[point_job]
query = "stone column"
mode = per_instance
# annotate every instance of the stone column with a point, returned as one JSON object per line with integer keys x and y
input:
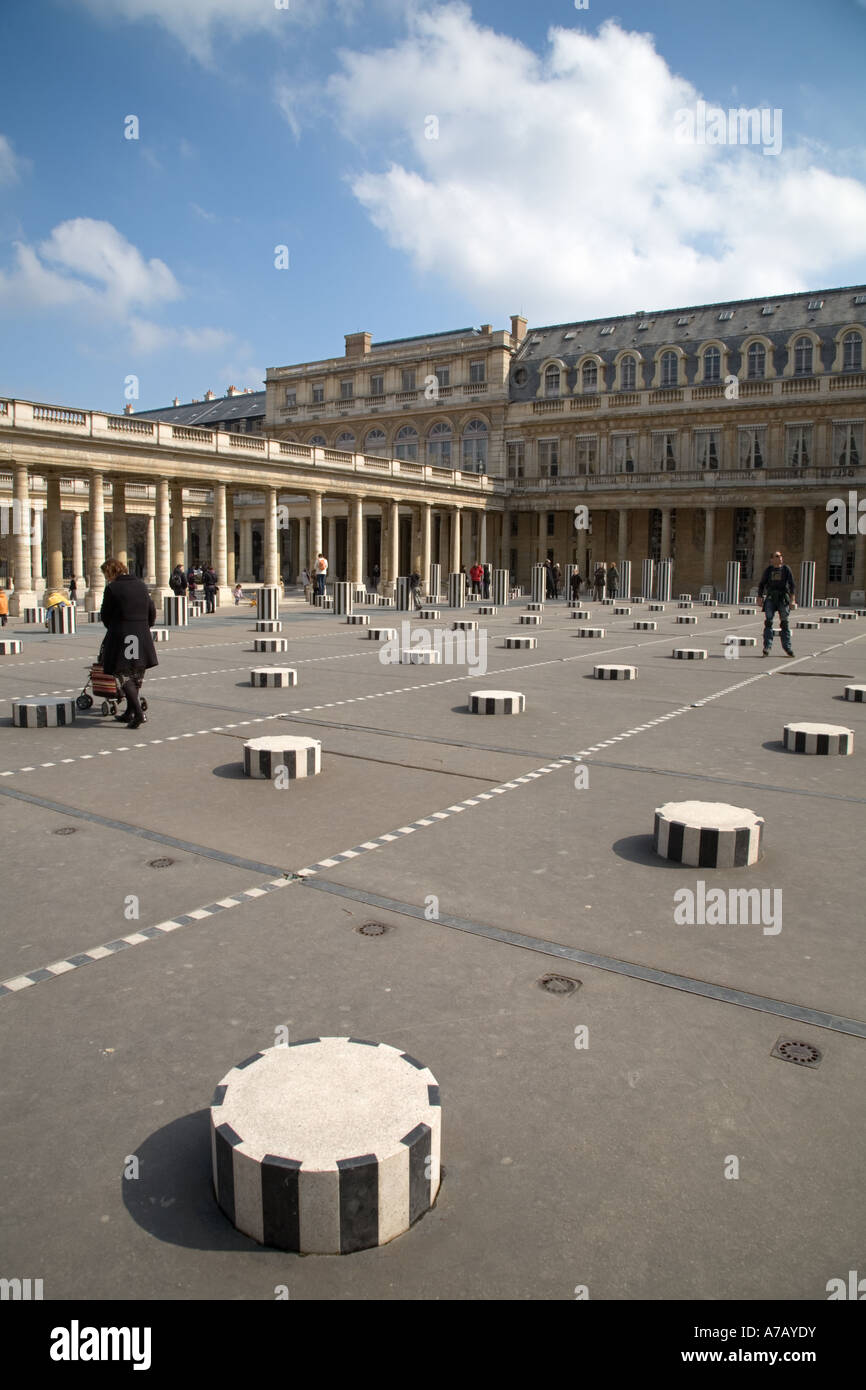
{"x": 220, "y": 543}
{"x": 25, "y": 595}
{"x": 119, "y": 537}
{"x": 303, "y": 558}
{"x": 505, "y": 540}
{"x": 150, "y": 550}
{"x": 394, "y": 541}
{"x": 809, "y": 533}
{"x": 78, "y": 554}
{"x": 760, "y": 544}
{"x": 666, "y": 534}
{"x": 36, "y": 549}
{"x": 482, "y": 538}
{"x": 272, "y": 573}
{"x": 163, "y": 540}
{"x": 709, "y": 543}
{"x": 426, "y": 546}
{"x": 355, "y": 561}
{"x": 332, "y": 545}
{"x": 622, "y": 537}
{"x": 859, "y": 561}
{"x": 95, "y": 543}
{"x": 246, "y": 555}
{"x": 178, "y": 533}
{"x": 455, "y": 541}
{"x": 53, "y": 531}
{"x": 231, "y": 577}
{"x": 385, "y": 576}
{"x": 315, "y": 525}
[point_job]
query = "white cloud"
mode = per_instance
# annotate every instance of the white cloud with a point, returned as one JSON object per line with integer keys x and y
{"x": 147, "y": 336}
{"x": 197, "y": 24}
{"x": 89, "y": 264}
{"x": 11, "y": 165}
{"x": 557, "y": 182}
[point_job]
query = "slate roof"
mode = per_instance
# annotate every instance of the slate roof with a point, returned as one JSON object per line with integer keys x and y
{"x": 209, "y": 413}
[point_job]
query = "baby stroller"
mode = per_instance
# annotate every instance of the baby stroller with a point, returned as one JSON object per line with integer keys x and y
{"x": 104, "y": 687}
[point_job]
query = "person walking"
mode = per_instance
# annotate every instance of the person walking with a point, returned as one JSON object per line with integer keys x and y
{"x": 210, "y": 588}
{"x": 73, "y": 591}
{"x": 321, "y": 574}
{"x": 191, "y": 582}
{"x": 557, "y": 579}
{"x": 375, "y": 575}
{"x": 4, "y": 608}
{"x": 776, "y": 595}
{"x": 238, "y": 594}
{"x": 598, "y": 582}
{"x": 612, "y": 581}
{"x": 177, "y": 581}
{"x": 476, "y": 574}
{"x": 128, "y": 612}
{"x": 485, "y": 581}
{"x": 575, "y": 585}
{"x": 415, "y": 589}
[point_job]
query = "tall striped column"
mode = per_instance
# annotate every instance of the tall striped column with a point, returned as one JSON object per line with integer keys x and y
{"x": 175, "y": 610}
{"x": 499, "y": 588}
{"x": 268, "y": 602}
{"x": 807, "y": 584}
{"x": 732, "y": 582}
{"x": 665, "y": 581}
{"x": 539, "y": 583}
{"x": 435, "y": 581}
{"x": 647, "y": 577}
{"x": 567, "y": 572}
{"x": 343, "y": 600}
{"x": 457, "y": 590}
{"x": 402, "y": 593}
{"x": 625, "y": 579}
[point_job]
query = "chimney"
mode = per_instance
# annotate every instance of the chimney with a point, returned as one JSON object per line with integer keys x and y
{"x": 209, "y": 395}
{"x": 518, "y": 328}
{"x": 127, "y": 409}
{"x": 232, "y": 391}
{"x": 358, "y": 344}
{"x": 176, "y": 400}
{"x": 195, "y": 401}
{"x": 486, "y": 328}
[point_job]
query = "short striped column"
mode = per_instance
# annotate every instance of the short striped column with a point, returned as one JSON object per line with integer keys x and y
{"x": 276, "y": 676}
{"x": 94, "y": 616}
{"x": 733, "y": 639}
{"x": 61, "y": 619}
{"x": 34, "y": 615}
{"x": 457, "y": 590}
{"x": 810, "y": 624}
{"x": 685, "y": 603}
{"x": 429, "y": 614}
{"x": 581, "y": 614}
{"x": 521, "y": 644}
{"x": 197, "y": 607}
{"x": 535, "y": 607}
{"x": 686, "y": 618}
{"x": 326, "y": 1146}
{"x": 732, "y": 582}
{"x": 175, "y": 610}
{"x": 539, "y": 583}
{"x": 820, "y": 603}
{"x": 615, "y": 673}
{"x": 684, "y": 598}
{"x": 530, "y": 619}
{"x": 464, "y": 625}
{"x": 843, "y": 615}
{"x": 746, "y": 612}
{"x": 487, "y": 610}
{"x": 160, "y": 634}
{"x": 806, "y": 595}
{"x": 268, "y": 625}
{"x": 832, "y": 603}
{"x": 708, "y": 834}
{"x": 381, "y": 634}
{"x": 9, "y": 646}
{"x": 297, "y": 756}
{"x": 403, "y": 593}
{"x": 43, "y": 711}
{"x": 268, "y": 602}
{"x": 856, "y": 693}
{"x": 496, "y": 702}
{"x": 435, "y": 584}
{"x": 830, "y": 618}
{"x": 647, "y": 577}
{"x": 656, "y": 607}
{"x": 270, "y": 644}
{"x": 625, "y": 580}
{"x": 420, "y": 656}
{"x": 357, "y": 619}
{"x": 620, "y": 612}
{"x": 590, "y": 632}
{"x": 819, "y": 738}
{"x": 721, "y": 613}
{"x": 343, "y": 599}
{"x": 645, "y": 627}
{"x": 710, "y": 603}
{"x": 689, "y": 654}
{"x": 499, "y": 588}
{"x": 664, "y": 580}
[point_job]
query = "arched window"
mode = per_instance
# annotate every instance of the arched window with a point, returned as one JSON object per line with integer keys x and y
{"x": 712, "y": 364}
{"x": 375, "y": 444}
{"x": 628, "y": 373}
{"x": 852, "y": 352}
{"x": 803, "y": 349}
{"x": 475, "y": 447}
{"x": 551, "y": 380}
{"x": 319, "y": 440}
{"x": 589, "y": 376}
{"x": 406, "y": 443}
{"x": 439, "y": 445}
{"x": 346, "y": 441}
{"x": 670, "y": 369}
{"x": 757, "y": 362}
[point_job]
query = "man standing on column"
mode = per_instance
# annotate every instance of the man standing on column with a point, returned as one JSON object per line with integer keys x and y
{"x": 776, "y": 593}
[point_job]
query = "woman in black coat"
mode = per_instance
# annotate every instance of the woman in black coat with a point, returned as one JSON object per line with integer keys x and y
{"x": 128, "y": 612}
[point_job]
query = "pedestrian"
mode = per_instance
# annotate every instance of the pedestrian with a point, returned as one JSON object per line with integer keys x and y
{"x": 476, "y": 574}
{"x": 191, "y": 582}
{"x": 128, "y": 613}
{"x": 375, "y": 575}
{"x": 4, "y": 608}
{"x": 73, "y": 590}
{"x": 415, "y": 589}
{"x": 177, "y": 581}
{"x": 238, "y": 594}
{"x": 776, "y": 595}
{"x": 612, "y": 581}
{"x": 598, "y": 582}
{"x": 575, "y": 585}
{"x": 557, "y": 580}
{"x": 321, "y": 574}
{"x": 485, "y": 582}
{"x": 210, "y": 588}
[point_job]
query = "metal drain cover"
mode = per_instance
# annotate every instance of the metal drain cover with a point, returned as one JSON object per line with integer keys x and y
{"x": 373, "y": 929}
{"x": 803, "y": 1054}
{"x": 160, "y": 863}
{"x": 559, "y": 984}
{"x": 65, "y": 830}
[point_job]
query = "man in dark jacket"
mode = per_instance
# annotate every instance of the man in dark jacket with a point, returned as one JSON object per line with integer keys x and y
{"x": 776, "y": 593}
{"x": 210, "y": 588}
{"x": 128, "y": 612}
{"x": 177, "y": 580}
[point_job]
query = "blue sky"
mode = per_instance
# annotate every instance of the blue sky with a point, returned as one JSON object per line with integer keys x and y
{"x": 427, "y": 167}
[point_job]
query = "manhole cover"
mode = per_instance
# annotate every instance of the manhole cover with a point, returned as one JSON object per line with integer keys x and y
{"x": 160, "y": 863}
{"x": 65, "y": 830}
{"x": 803, "y": 1054}
{"x": 373, "y": 929}
{"x": 559, "y": 984}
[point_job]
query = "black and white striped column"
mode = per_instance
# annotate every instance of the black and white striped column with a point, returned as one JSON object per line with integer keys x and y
{"x": 625, "y": 580}
{"x": 499, "y": 588}
{"x": 175, "y": 610}
{"x": 581, "y": 614}
{"x": 811, "y": 625}
{"x": 9, "y": 647}
{"x": 268, "y": 602}
{"x": 645, "y": 627}
{"x": 381, "y": 634}
{"x": 806, "y": 598}
{"x": 298, "y": 757}
{"x": 664, "y": 581}
{"x": 273, "y": 676}
{"x": 620, "y": 611}
{"x": 856, "y": 693}
{"x": 819, "y": 738}
{"x": 61, "y": 619}
{"x": 43, "y": 711}
{"x": 647, "y": 578}
{"x": 539, "y": 583}
{"x": 530, "y": 619}
{"x": 708, "y": 834}
{"x": 358, "y": 619}
{"x": 268, "y": 625}
{"x": 496, "y": 702}
{"x": 457, "y": 590}
{"x": 567, "y": 572}
{"x": 521, "y": 644}
{"x": 270, "y": 644}
{"x": 465, "y": 625}
{"x": 435, "y": 588}
{"x": 402, "y": 593}
{"x": 327, "y": 1146}
{"x": 615, "y": 673}
{"x": 732, "y": 581}
{"x": 343, "y": 599}
{"x": 429, "y": 614}
{"x": 689, "y": 654}
{"x": 590, "y": 632}
{"x": 686, "y": 617}
{"x": 93, "y": 616}
{"x": 34, "y": 615}
{"x": 160, "y": 634}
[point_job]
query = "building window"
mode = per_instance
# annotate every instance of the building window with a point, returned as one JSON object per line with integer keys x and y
{"x": 757, "y": 362}
{"x": 707, "y": 446}
{"x": 406, "y": 443}
{"x": 712, "y": 364}
{"x": 585, "y": 454}
{"x": 744, "y": 540}
{"x": 551, "y": 381}
{"x": 848, "y": 443}
{"x": 548, "y": 458}
{"x": 752, "y": 446}
{"x": 623, "y": 453}
{"x": 375, "y": 444}
{"x": 514, "y": 526}
{"x": 475, "y": 447}
{"x": 589, "y": 376}
{"x": 346, "y": 441}
{"x": 476, "y": 372}
{"x": 840, "y": 560}
{"x": 515, "y": 458}
{"x": 551, "y": 523}
{"x": 443, "y": 376}
{"x": 318, "y": 395}
{"x": 798, "y": 446}
{"x": 291, "y": 399}
{"x": 664, "y": 451}
{"x": 407, "y": 379}
{"x": 319, "y": 441}
{"x": 803, "y": 351}
{"x": 439, "y": 445}
{"x": 377, "y": 386}
{"x": 347, "y": 390}
{"x": 628, "y": 373}
{"x": 670, "y": 369}
{"x": 852, "y": 352}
